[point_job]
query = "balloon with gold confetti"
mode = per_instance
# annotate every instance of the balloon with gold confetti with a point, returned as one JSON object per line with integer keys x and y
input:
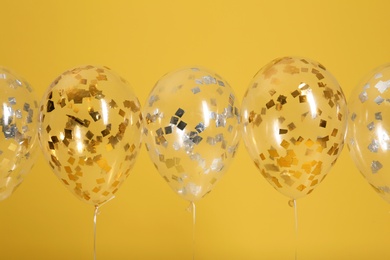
{"x": 18, "y": 141}
{"x": 192, "y": 130}
{"x": 294, "y": 124}
{"x": 90, "y": 125}
{"x": 368, "y": 137}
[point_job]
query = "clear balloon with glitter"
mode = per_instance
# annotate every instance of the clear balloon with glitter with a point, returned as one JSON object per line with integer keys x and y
{"x": 368, "y": 137}
{"x": 89, "y": 129}
{"x": 18, "y": 138}
{"x": 90, "y": 126}
{"x": 192, "y": 130}
{"x": 294, "y": 124}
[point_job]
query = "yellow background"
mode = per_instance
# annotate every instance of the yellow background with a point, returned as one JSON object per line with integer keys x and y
{"x": 243, "y": 217}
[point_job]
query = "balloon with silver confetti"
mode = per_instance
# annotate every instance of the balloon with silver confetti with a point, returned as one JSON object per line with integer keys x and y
{"x": 18, "y": 141}
{"x": 368, "y": 137}
{"x": 192, "y": 130}
{"x": 294, "y": 124}
{"x": 89, "y": 129}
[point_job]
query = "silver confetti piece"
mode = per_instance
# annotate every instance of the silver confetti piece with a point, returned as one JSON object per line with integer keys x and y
{"x": 371, "y": 126}
{"x": 379, "y": 100}
{"x": 195, "y": 90}
{"x": 376, "y": 166}
{"x": 382, "y": 86}
{"x": 373, "y": 146}
{"x": 363, "y": 97}
{"x": 353, "y": 116}
{"x": 378, "y": 115}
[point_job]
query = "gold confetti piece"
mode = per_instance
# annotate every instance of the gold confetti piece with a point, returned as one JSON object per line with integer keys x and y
{"x": 297, "y": 174}
{"x": 77, "y": 95}
{"x": 291, "y": 69}
{"x": 283, "y": 131}
{"x": 273, "y": 153}
{"x": 306, "y": 167}
{"x": 295, "y": 93}
{"x": 122, "y": 113}
{"x": 115, "y": 184}
{"x": 285, "y": 144}
{"x": 276, "y": 182}
{"x": 270, "y": 104}
{"x": 101, "y": 77}
{"x": 309, "y": 152}
{"x": 271, "y": 167}
{"x": 179, "y": 168}
{"x": 331, "y": 150}
{"x": 291, "y": 126}
{"x": 272, "y": 92}
{"x": 284, "y": 161}
{"x": 269, "y": 73}
{"x": 100, "y": 181}
{"x": 170, "y": 163}
{"x": 72, "y": 177}
{"x": 319, "y": 76}
{"x": 309, "y": 143}
{"x": 301, "y": 187}
{"x": 317, "y": 170}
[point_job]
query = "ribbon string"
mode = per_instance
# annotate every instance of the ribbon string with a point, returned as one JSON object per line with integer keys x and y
{"x": 94, "y": 230}
{"x": 192, "y": 209}
{"x": 296, "y": 228}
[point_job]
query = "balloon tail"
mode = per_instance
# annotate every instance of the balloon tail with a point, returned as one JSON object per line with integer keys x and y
{"x": 192, "y": 209}
{"x": 94, "y": 230}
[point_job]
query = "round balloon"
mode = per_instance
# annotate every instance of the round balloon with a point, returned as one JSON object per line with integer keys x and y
{"x": 19, "y": 111}
{"x": 192, "y": 130}
{"x": 369, "y": 129}
{"x": 294, "y": 123}
{"x": 90, "y": 125}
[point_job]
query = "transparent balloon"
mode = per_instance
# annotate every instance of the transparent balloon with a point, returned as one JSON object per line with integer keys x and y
{"x": 294, "y": 124}
{"x": 192, "y": 130}
{"x": 18, "y": 140}
{"x": 90, "y": 125}
{"x": 369, "y": 129}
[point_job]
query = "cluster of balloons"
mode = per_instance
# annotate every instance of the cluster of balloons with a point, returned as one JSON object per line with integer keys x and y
{"x": 293, "y": 120}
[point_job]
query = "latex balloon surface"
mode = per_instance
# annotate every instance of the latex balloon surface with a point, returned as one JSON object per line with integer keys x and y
{"x": 294, "y": 124}
{"x": 192, "y": 130}
{"x": 369, "y": 129}
{"x": 90, "y": 128}
{"x": 19, "y": 111}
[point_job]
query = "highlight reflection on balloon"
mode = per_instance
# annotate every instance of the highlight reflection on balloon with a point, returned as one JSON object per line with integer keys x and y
{"x": 192, "y": 130}
{"x": 90, "y": 128}
{"x": 19, "y": 110}
{"x": 294, "y": 124}
{"x": 369, "y": 126}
